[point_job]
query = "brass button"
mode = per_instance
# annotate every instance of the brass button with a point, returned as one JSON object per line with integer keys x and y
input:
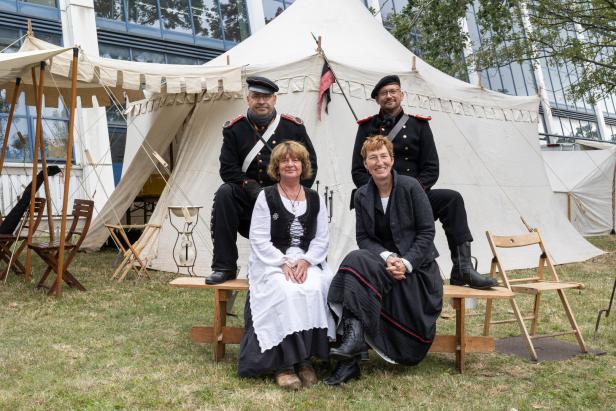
{"x": 404, "y": 126}
{"x": 408, "y": 169}
{"x": 406, "y": 147}
{"x": 274, "y": 142}
{"x": 260, "y": 161}
{"x": 404, "y": 136}
{"x": 260, "y": 181}
{"x": 406, "y": 158}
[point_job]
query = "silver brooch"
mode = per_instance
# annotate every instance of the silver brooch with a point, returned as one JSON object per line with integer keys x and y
{"x": 275, "y": 216}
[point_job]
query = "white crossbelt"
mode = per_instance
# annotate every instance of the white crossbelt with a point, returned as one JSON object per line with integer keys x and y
{"x": 260, "y": 143}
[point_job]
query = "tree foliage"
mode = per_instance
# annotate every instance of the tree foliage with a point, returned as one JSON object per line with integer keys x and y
{"x": 579, "y": 33}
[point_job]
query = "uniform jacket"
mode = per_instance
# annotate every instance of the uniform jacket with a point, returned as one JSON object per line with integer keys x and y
{"x": 415, "y": 153}
{"x": 239, "y": 136}
{"x": 411, "y": 220}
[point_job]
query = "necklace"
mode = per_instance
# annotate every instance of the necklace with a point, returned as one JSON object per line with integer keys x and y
{"x": 294, "y": 203}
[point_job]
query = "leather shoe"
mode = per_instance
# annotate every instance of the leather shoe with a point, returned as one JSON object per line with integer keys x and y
{"x": 288, "y": 380}
{"x": 306, "y": 374}
{"x": 344, "y": 371}
{"x": 219, "y": 277}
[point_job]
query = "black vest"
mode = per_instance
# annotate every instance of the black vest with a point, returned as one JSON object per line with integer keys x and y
{"x": 281, "y": 219}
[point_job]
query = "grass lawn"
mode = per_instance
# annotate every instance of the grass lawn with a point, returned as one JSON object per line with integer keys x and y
{"x": 126, "y": 346}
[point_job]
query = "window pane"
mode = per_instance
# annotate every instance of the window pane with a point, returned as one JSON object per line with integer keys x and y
{"x": 387, "y": 10}
{"x": 175, "y": 59}
{"x": 143, "y": 12}
{"x": 8, "y": 36}
{"x": 113, "y": 52}
{"x": 55, "y": 135}
{"x": 235, "y": 19}
{"x": 272, "y": 8}
{"x": 51, "y": 38}
{"x": 176, "y": 16}
{"x": 507, "y": 78}
{"x": 48, "y": 3}
{"x": 5, "y": 105}
{"x": 19, "y": 147}
{"x": 51, "y": 112}
{"x": 109, "y": 9}
{"x": 148, "y": 56}
{"x": 206, "y": 18}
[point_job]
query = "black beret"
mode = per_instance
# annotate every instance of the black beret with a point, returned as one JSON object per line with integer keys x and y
{"x": 261, "y": 85}
{"x": 385, "y": 81}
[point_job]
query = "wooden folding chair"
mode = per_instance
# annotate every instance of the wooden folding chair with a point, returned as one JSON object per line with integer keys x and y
{"x": 534, "y": 285}
{"x": 131, "y": 253}
{"x": 20, "y": 236}
{"x": 50, "y": 251}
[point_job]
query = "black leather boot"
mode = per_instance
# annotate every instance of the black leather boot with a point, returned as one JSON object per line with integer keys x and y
{"x": 344, "y": 371}
{"x": 352, "y": 339}
{"x": 219, "y": 277}
{"x": 463, "y": 273}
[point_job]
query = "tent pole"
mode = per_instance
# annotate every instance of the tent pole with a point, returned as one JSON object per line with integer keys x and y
{"x": 569, "y": 206}
{"x": 39, "y": 136}
{"x": 5, "y": 142}
{"x": 614, "y": 202}
{"x": 67, "y": 174}
{"x": 39, "y": 120}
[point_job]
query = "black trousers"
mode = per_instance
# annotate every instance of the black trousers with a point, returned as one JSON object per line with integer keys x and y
{"x": 231, "y": 213}
{"x": 448, "y": 207}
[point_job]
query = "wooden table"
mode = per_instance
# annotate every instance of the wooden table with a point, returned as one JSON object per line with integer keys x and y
{"x": 219, "y": 334}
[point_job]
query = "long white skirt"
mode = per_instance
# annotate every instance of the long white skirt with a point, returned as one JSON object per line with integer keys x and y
{"x": 280, "y": 307}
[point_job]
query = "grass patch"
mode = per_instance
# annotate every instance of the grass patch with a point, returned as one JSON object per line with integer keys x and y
{"x": 126, "y": 346}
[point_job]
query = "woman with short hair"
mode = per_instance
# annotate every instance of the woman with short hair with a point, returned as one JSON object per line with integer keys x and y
{"x": 287, "y": 319}
{"x": 389, "y": 292}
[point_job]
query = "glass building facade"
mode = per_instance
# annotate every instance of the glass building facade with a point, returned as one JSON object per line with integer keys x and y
{"x": 195, "y": 31}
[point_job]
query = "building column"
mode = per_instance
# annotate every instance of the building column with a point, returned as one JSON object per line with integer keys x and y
{"x": 91, "y": 134}
{"x": 256, "y": 15}
{"x": 539, "y": 79}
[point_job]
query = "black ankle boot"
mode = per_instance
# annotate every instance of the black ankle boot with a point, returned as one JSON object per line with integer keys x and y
{"x": 352, "y": 340}
{"x": 344, "y": 371}
{"x": 463, "y": 273}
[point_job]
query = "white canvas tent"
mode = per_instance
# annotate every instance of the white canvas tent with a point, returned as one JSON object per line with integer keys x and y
{"x": 487, "y": 141}
{"x": 584, "y": 184}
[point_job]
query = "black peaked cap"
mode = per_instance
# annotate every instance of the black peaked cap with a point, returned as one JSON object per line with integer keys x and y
{"x": 261, "y": 85}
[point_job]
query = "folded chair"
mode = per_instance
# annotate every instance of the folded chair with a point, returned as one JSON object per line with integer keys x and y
{"x": 535, "y": 286}
{"x": 50, "y": 251}
{"x": 13, "y": 244}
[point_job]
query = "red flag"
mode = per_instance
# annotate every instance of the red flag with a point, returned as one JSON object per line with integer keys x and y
{"x": 327, "y": 79}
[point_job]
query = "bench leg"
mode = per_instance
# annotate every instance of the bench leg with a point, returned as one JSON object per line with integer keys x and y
{"x": 458, "y": 304}
{"x": 220, "y": 320}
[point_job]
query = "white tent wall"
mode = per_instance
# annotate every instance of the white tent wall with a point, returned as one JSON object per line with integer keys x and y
{"x": 158, "y": 128}
{"x": 583, "y": 181}
{"x": 487, "y": 141}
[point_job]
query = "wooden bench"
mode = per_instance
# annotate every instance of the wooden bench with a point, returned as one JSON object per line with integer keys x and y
{"x": 219, "y": 334}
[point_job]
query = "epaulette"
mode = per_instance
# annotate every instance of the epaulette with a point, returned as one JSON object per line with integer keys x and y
{"x": 232, "y": 122}
{"x": 420, "y": 117}
{"x": 294, "y": 119}
{"x": 365, "y": 120}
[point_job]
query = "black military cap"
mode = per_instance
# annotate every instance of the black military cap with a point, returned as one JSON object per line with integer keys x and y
{"x": 385, "y": 81}
{"x": 261, "y": 85}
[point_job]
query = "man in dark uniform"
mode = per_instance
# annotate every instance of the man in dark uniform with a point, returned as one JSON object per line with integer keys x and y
{"x": 416, "y": 156}
{"x": 247, "y": 143}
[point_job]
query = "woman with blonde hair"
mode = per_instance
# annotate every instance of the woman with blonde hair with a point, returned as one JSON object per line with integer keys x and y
{"x": 287, "y": 319}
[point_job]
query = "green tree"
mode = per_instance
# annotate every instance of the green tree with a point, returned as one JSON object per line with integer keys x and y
{"x": 580, "y": 32}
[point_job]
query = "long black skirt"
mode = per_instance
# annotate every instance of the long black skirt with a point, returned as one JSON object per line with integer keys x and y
{"x": 399, "y": 317}
{"x": 293, "y": 349}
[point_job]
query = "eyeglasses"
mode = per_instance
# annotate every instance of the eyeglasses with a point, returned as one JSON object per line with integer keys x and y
{"x": 393, "y": 92}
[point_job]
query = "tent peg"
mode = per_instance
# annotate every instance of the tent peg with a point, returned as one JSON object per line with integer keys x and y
{"x": 413, "y": 64}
